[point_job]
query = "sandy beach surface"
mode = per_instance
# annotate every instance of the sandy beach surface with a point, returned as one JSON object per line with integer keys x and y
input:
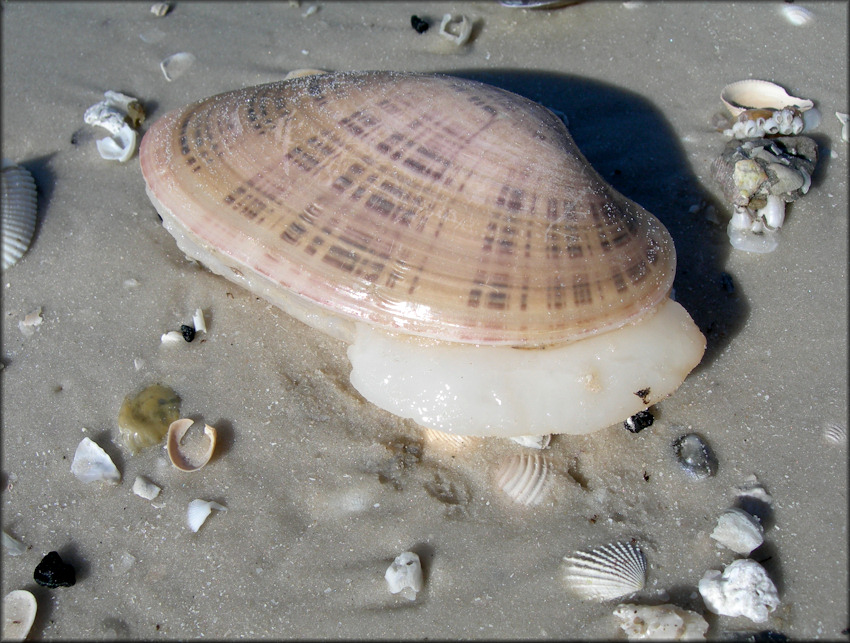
{"x": 322, "y": 489}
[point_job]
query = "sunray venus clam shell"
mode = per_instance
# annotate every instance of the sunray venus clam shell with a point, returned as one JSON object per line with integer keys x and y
{"x": 437, "y": 224}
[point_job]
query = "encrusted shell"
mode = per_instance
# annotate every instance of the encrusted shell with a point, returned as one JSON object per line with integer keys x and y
{"x": 607, "y": 572}
{"x": 426, "y": 204}
{"x": 189, "y": 455}
{"x": 525, "y": 478}
{"x": 759, "y": 94}
{"x": 19, "y": 208}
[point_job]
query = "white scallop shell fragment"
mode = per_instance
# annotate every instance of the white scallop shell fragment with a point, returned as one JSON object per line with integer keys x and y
{"x": 525, "y": 478}
{"x": 176, "y": 65}
{"x": 160, "y": 9}
{"x": 92, "y": 464}
{"x": 19, "y": 609}
{"x": 533, "y": 441}
{"x": 835, "y": 433}
{"x": 739, "y": 531}
{"x": 190, "y": 452}
{"x": 743, "y": 589}
{"x": 146, "y": 489}
{"x": 404, "y": 575}
{"x": 797, "y": 15}
{"x": 198, "y": 512}
{"x": 19, "y": 208}
{"x": 660, "y": 623}
{"x": 759, "y": 94}
{"x": 607, "y": 572}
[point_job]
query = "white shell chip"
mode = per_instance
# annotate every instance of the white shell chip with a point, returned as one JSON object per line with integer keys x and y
{"x": 739, "y": 531}
{"x": 743, "y": 589}
{"x": 146, "y": 489}
{"x": 660, "y": 623}
{"x": 199, "y": 510}
{"x": 404, "y": 575}
{"x": 91, "y": 464}
{"x": 19, "y": 608}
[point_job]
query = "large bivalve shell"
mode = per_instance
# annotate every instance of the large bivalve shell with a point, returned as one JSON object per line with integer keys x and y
{"x": 19, "y": 212}
{"x": 607, "y": 572}
{"x": 435, "y": 223}
{"x": 432, "y": 205}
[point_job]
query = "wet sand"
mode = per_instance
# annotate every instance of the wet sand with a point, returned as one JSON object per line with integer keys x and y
{"x": 324, "y": 490}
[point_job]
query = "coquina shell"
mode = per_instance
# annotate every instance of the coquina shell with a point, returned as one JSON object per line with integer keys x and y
{"x": 19, "y": 209}
{"x": 426, "y": 204}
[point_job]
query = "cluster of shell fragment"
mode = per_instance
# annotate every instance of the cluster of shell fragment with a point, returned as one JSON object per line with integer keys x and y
{"x": 420, "y": 206}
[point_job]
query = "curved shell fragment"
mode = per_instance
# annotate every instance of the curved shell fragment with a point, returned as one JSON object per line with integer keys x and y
{"x": 92, "y": 464}
{"x": 759, "y": 94}
{"x": 525, "y": 478}
{"x": 199, "y": 510}
{"x": 190, "y": 452}
{"x": 607, "y": 572}
{"x": 19, "y": 609}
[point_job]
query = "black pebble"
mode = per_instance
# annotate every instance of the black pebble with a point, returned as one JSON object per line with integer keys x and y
{"x": 188, "y": 332}
{"x": 639, "y": 421}
{"x": 52, "y": 572}
{"x": 419, "y": 24}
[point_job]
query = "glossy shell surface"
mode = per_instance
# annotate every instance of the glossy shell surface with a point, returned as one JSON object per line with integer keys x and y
{"x": 752, "y": 93}
{"x": 423, "y": 204}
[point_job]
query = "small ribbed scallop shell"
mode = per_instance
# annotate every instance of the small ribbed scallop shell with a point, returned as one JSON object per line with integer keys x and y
{"x": 607, "y": 572}
{"x": 426, "y": 204}
{"x": 19, "y": 212}
{"x": 835, "y": 433}
{"x": 525, "y": 478}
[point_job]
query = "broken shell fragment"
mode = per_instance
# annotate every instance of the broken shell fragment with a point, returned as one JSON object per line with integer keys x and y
{"x": 754, "y": 123}
{"x": 13, "y": 546}
{"x": 607, "y": 572}
{"x": 844, "y": 119}
{"x": 759, "y": 94}
{"x": 742, "y": 589}
{"x": 19, "y": 609}
{"x": 458, "y": 29}
{"x": 92, "y": 464}
{"x": 660, "y": 623}
{"x": 190, "y": 454}
{"x": 437, "y": 224}
{"x": 143, "y": 419}
{"x": 146, "y": 489}
{"x": 198, "y": 512}
{"x": 176, "y": 65}
{"x": 18, "y": 215}
{"x": 404, "y": 575}
{"x": 118, "y": 114}
{"x": 160, "y": 9}
{"x": 739, "y": 531}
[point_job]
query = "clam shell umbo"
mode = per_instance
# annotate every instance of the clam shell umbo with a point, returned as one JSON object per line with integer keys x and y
{"x": 607, "y": 572}
{"x": 19, "y": 208}
{"x": 421, "y": 207}
{"x": 189, "y": 454}
{"x": 526, "y": 478}
{"x": 19, "y": 609}
{"x": 759, "y": 94}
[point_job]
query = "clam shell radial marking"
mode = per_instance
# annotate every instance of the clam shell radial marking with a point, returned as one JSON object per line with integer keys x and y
{"x": 424, "y": 204}
{"x": 525, "y": 478}
{"x": 19, "y": 209}
{"x": 607, "y": 572}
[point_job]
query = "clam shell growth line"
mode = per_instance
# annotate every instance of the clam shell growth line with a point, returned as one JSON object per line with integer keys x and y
{"x": 607, "y": 572}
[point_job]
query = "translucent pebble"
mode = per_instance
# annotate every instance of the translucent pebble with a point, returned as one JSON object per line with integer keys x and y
{"x": 13, "y": 546}
{"x": 176, "y": 65}
{"x": 695, "y": 457}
